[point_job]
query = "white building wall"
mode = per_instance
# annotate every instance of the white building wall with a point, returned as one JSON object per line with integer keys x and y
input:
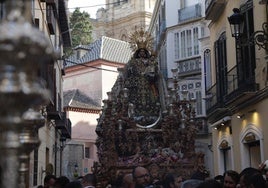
{"x": 170, "y": 53}
{"x": 78, "y": 117}
{"x": 108, "y": 80}
{"x": 86, "y": 80}
{"x": 172, "y": 7}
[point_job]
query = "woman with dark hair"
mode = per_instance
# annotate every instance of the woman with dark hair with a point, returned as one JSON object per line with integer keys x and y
{"x": 230, "y": 179}
{"x": 257, "y": 181}
{"x": 172, "y": 180}
{"x": 169, "y": 181}
{"x": 244, "y": 176}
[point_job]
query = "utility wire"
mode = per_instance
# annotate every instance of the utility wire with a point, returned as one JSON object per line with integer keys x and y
{"x": 118, "y": 2}
{"x": 90, "y": 6}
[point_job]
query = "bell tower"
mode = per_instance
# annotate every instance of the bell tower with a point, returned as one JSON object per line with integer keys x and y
{"x": 121, "y": 16}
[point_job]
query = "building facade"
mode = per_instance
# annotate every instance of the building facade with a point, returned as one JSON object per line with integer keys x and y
{"x": 90, "y": 73}
{"x": 181, "y": 38}
{"x": 119, "y": 18}
{"x": 51, "y": 19}
{"x": 237, "y": 91}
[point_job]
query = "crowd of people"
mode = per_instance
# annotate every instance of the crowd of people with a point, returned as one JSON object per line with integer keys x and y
{"x": 51, "y": 181}
{"x": 248, "y": 178}
{"x": 140, "y": 177}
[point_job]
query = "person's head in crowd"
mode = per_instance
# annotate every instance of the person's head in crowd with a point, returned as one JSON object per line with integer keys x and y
{"x": 200, "y": 174}
{"x": 210, "y": 183}
{"x": 169, "y": 181}
{"x": 74, "y": 184}
{"x": 257, "y": 181}
{"x": 141, "y": 177}
{"x": 154, "y": 173}
{"x": 219, "y": 178}
{"x": 89, "y": 180}
{"x": 245, "y": 175}
{"x": 80, "y": 178}
{"x": 61, "y": 182}
{"x": 128, "y": 181}
{"x": 178, "y": 181}
{"x": 191, "y": 183}
{"x": 49, "y": 181}
{"x": 230, "y": 179}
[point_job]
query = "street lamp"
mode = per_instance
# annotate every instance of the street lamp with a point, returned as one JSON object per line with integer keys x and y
{"x": 259, "y": 37}
{"x": 236, "y": 23}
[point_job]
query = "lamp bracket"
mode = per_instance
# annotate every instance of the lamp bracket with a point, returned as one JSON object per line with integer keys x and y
{"x": 260, "y": 37}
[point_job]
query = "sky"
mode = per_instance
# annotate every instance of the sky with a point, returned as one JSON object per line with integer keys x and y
{"x": 90, "y": 6}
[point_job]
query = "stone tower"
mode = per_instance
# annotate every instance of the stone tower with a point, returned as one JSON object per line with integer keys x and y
{"x": 122, "y": 16}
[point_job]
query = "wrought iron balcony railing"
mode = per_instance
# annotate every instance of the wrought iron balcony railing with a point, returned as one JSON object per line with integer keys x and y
{"x": 64, "y": 124}
{"x": 190, "y": 13}
{"x": 236, "y": 92}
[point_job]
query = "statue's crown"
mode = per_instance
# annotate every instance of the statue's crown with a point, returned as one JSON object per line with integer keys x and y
{"x": 141, "y": 39}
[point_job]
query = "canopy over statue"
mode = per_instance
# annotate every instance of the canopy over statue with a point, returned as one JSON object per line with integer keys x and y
{"x": 143, "y": 123}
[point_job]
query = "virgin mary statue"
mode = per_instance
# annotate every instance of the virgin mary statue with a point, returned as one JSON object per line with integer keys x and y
{"x": 143, "y": 81}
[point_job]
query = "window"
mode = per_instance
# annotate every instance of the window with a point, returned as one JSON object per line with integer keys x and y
{"x": 246, "y": 63}
{"x": 221, "y": 66}
{"x": 252, "y": 145}
{"x": 198, "y": 103}
{"x": 191, "y": 86}
{"x": 36, "y": 23}
{"x": 207, "y": 69}
{"x": 186, "y": 43}
{"x": 196, "y": 44}
{"x": 183, "y": 44}
{"x": 177, "y": 45}
{"x": 254, "y": 153}
{"x": 225, "y": 153}
{"x": 87, "y": 152}
{"x": 189, "y": 43}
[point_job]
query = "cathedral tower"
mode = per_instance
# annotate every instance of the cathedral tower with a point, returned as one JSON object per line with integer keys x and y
{"x": 120, "y": 17}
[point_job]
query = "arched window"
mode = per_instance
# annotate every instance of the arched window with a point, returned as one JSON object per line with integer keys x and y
{"x": 225, "y": 153}
{"x": 251, "y": 146}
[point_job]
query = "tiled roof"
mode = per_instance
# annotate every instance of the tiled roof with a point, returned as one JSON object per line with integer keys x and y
{"x": 76, "y": 98}
{"x": 105, "y": 48}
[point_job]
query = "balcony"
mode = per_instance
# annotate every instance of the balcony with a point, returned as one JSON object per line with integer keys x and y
{"x": 239, "y": 91}
{"x": 236, "y": 94}
{"x": 189, "y": 67}
{"x": 214, "y": 9}
{"x": 190, "y": 13}
{"x": 64, "y": 124}
{"x": 54, "y": 109}
{"x": 201, "y": 126}
{"x": 51, "y": 19}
